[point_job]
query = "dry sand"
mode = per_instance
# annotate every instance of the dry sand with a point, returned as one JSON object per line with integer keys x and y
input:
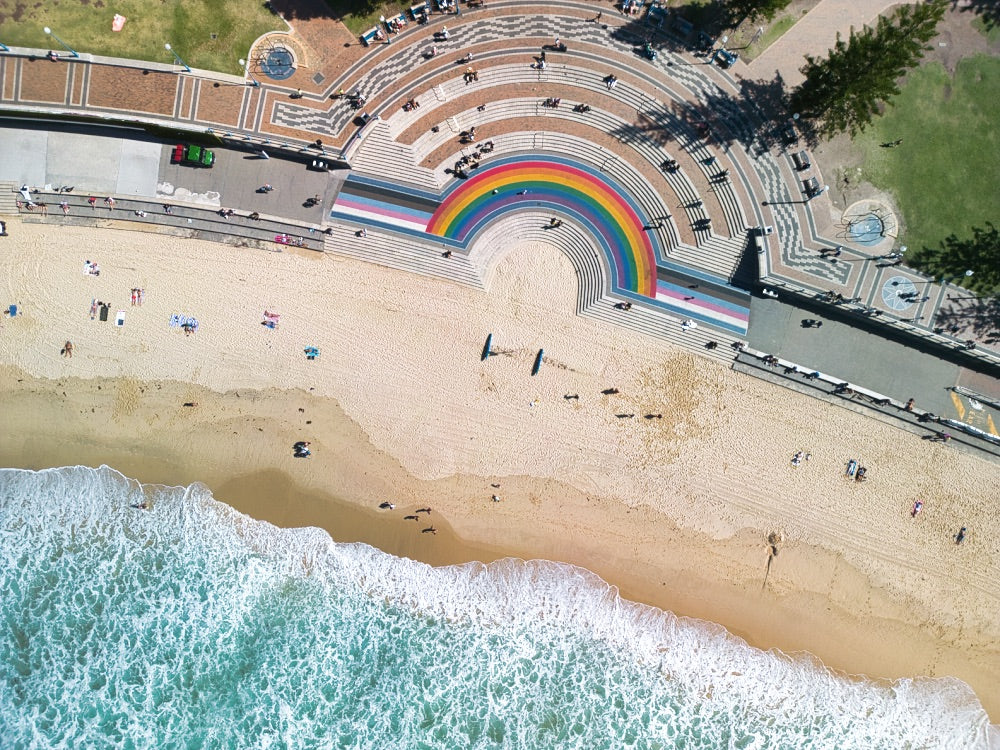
{"x": 675, "y": 511}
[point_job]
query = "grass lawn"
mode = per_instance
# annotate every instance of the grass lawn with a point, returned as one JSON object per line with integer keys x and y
{"x": 944, "y": 174}
{"x": 188, "y": 25}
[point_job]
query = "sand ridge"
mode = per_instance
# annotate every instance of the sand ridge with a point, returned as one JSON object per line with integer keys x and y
{"x": 690, "y": 495}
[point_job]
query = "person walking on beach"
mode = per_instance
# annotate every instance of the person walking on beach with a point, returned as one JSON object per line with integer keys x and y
{"x": 67, "y": 350}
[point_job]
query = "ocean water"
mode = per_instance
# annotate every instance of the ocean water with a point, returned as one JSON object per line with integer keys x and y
{"x": 194, "y": 626}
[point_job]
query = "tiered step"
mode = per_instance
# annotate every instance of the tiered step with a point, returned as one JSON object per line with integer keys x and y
{"x": 404, "y": 253}
{"x": 381, "y": 156}
{"x": 8, "y": 197}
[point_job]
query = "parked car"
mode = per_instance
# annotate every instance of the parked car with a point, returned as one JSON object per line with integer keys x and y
{"x": 725, "y": 58}
{"x": 194, "y": 156}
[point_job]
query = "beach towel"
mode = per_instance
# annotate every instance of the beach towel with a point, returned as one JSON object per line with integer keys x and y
{"x": 118, "y": 22}
{"x": 175, "y": 320}
{"x": 120, "y": 320}
{"x": 104, "y": 313}
{"x": 12, "y": 311}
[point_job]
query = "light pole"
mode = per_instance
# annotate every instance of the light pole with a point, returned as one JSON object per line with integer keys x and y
{"x": 246, "y": 70}
{"x": 177, "y": 57}
{"x": 48, "y": 32}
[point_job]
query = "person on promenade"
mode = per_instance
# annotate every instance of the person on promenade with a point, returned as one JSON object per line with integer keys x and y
{"x": 110, "y": 203}
{"x": 64, "y": 205}
{"x": 93, "y": 202}
{"x": 909, "y": 405}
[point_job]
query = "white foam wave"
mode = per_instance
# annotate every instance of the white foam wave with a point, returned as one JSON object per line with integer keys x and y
{"x": 514, "y": 597}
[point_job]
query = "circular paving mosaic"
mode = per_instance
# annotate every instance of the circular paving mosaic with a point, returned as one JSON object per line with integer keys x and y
{"x": 866, "y": 230}
{"x": 278, "y": 64}
{"x": 898, "y": 293}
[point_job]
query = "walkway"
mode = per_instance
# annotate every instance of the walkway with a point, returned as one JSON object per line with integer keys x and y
{"x": 814, "y": 34}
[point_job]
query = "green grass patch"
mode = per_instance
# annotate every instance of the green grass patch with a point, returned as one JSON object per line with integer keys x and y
{"x": 944, "y": 173}
{"x": 209, "y": 34}
{"x": 992, "y": 34}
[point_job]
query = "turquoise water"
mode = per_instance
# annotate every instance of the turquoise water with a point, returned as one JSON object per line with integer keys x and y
{"x": 193, "y": 626}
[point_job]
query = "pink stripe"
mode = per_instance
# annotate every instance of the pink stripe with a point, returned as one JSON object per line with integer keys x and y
{"x": 378, "y": 210}
{"x": 704, "y": 304}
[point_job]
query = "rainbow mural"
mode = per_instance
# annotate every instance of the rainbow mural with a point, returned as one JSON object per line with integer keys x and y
{"x": 573, "y": 192}
{"x": 566, "y": 188}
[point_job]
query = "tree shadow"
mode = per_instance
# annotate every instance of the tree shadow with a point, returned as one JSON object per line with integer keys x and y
{"x": 303, "y": 10}
{"x": 757, "y": 117}
{"x": 988, "y": 10}
{"x": 980, "y": 317}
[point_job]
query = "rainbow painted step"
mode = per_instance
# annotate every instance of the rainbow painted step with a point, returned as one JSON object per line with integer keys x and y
{"x": 571, "y": 190}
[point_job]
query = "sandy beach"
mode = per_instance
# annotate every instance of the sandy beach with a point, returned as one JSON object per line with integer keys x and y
{"x": 675, "y": 509}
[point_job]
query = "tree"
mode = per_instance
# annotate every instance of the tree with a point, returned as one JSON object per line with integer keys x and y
{"x": 743, "y": 10}
{"x": 980, "y": 254}
{"x": 845, "y": 91}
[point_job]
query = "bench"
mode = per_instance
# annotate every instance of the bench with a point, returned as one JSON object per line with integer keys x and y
{"x": 811, "y": 186}
{"x": 656, "y": 16}
{"x": 419, "y": 12}
{"x": 372, "y": 35}
{"x": 396, "y": 24}
{"x": 801, "y": 160}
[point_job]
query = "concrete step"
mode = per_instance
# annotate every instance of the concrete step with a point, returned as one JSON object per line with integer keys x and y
{"x": 380, "y": 155}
